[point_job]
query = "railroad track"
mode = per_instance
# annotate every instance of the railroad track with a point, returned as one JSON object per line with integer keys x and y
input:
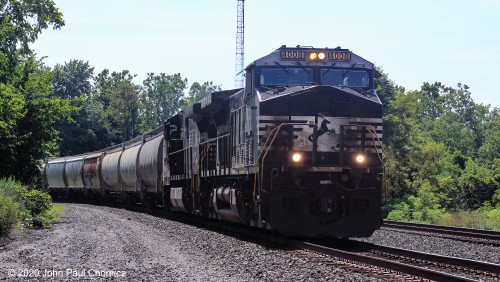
{"x": 399, "y": 264}
{"x": 458, "y": 233}
{"x": 387, "y": 263}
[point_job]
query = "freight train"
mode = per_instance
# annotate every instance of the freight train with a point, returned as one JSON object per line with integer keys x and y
{"x": 297, "y": 150}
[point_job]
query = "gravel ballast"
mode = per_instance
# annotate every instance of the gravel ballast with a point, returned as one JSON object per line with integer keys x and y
{"x": 95, "y": 242}
{"x": 435, "y": 245}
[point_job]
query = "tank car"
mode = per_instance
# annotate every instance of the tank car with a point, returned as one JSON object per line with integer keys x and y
{"x": 297, "y": 150}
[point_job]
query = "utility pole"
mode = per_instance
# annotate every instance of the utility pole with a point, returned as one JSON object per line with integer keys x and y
{"x": 240, "y": 43}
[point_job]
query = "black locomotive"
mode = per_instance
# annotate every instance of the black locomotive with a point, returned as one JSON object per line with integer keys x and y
{"x": 297, "y": 150}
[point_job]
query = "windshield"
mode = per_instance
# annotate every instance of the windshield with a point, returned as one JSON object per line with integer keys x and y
{"x": 345, "y": 77}
{"x": 286, "y": 76}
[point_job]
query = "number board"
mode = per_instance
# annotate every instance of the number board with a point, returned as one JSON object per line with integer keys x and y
{"x": 339, "y": 56}
{"x": 293, "y": 55}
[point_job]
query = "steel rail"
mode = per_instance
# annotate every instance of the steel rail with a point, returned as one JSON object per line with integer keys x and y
{"x": 379, "y": 262}
{"x": 448, "y": 230}
{"x": 452, "y": 261}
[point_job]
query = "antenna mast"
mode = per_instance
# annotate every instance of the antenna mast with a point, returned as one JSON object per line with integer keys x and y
{"x": 240, "y": 43}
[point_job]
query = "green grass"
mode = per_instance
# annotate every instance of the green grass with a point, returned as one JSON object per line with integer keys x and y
{"x": 48, "y": 217}
{"x": 479, "y": 219}
{"x": 55, "y": 212}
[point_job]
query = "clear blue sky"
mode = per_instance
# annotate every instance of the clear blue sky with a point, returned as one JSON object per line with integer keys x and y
{"x": 450, "y": 41}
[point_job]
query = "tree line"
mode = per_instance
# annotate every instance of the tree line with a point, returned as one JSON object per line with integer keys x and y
{"x": 442, "y": 154}
{"x": 110, "y": 109}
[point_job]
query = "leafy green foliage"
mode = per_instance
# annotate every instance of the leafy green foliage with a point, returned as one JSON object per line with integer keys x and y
{"x": 442, "y": 151}
{"x": 29, "y": 134}
{"x": 9, "y": 217}
{"x": 124, "y": 112}
{"x": 21, "y": 21}
{"x": 424, "y": 207}
{"x": 105, "y": 83}
{"x": 477, "y": 185}
{"x": 162, "y": 97}
{"x": 37, "y": 202}
{"x": 28, "y": 112}
{"x": 386, "y": 89}
{"x": 495, "y": 200}
{"x": 490, "y": 149}
{"x": 87, "y": 129}
{"x": 198, "y": 91}
{"x": 12, "y": 211}
{"x": 18, "y": 205}
{"x": 72, "y": 80}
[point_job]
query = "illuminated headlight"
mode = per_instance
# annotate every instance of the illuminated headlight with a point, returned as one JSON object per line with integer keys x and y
{"x": 360, "y": 158}
{"x": 296, "y": 157}
{"x": 313, "y": 56}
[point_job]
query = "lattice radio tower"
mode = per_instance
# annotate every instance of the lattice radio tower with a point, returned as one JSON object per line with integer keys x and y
{"x": 240, "y": 43}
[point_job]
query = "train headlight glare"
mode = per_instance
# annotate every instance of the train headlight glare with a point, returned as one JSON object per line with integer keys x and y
{"x": 313, "y": 56}
{"x": 297, "y": 157}
{"x": 321, "y": 56}
{"x": 360, "y": 159}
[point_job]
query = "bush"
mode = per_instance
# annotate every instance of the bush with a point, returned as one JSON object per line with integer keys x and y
{"x": 37, "y": 202}
{"x": 495, "y": 200}
{"x": 423, "y": 208}
{"x": 18, "y": 205}
{"x": 13, "y": 189}
{"x": 9, "y": 215}
{"x": 400, "y": 212}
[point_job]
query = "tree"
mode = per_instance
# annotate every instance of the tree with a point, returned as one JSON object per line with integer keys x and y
{"x": 72, "y": 80}
{"x": 477, "y": 184}
{"x": 490, "y": 149}
{"x": 87, "y": 129}
{"x": 470, "y": 114}
{"x": 450, "y": 130}
{"x": 124, "y": 112}
{"x": 21, "y": 21}
{"x": 386, "y": 89}
{"x": 27, "y": 136}
{"x": 198, "y": 91}
{"x": 162, "y": 96}
{"x": 105, "y": 84}
{"x": 28, "y": 112}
